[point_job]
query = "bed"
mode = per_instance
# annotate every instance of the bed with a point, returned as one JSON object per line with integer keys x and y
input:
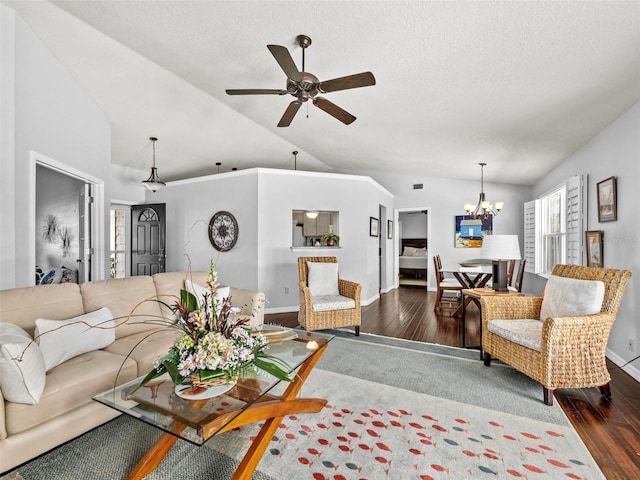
{"x": 414, "y": 259}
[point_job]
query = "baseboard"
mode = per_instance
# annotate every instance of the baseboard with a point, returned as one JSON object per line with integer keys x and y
{"x": 293, "y": 308}
{"x": 619, "y": 361}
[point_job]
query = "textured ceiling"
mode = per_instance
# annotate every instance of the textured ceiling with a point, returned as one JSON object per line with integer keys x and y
{"x": 518, "y": 85}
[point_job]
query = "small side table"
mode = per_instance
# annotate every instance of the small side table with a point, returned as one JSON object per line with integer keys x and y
{"x": 476, "y": 294}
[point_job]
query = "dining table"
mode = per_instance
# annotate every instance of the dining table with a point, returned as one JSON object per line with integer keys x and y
{"x": 470, "y": 275}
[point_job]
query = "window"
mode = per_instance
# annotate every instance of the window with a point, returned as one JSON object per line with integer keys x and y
{"x": 553, "y": 228}
{"x": 118, "y": 241}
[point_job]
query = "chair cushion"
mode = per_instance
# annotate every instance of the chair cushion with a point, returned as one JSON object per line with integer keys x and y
{"x": 22, "y": 372}
{"x": 323, "y": 278}
{"x": 568, "y": 297}
{"x": 325, "y": 303}
{"x": 525, "y": 332}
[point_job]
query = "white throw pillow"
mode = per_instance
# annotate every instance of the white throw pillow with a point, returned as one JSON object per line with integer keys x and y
{"x": 199, "y": 291}
{"x": 420, "y": 252}
{"x": 567, "y": 297}
{"x": 323, "y": 278}
{"x": 409, "y": 251}
{"x": 60, "y": 340}
{"x": 22, "y": 371}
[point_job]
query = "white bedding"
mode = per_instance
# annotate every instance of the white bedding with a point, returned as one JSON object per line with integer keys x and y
{"x": 413, "y": 262}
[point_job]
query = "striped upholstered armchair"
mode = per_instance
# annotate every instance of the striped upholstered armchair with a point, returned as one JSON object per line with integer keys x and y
{"x": 541, "y": 338}
{"x": 323, "y": 303}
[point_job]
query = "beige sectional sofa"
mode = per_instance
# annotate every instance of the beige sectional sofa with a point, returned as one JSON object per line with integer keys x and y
{"x": 65, "y": 408}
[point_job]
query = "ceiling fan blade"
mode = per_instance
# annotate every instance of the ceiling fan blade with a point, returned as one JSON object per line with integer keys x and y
{"x": 334, "y": 110}
{"x": 283, "y": 57}
{"x": 289, "y": 113}
{"x": 255, "y": 91}
{"x": 364, "y": 79}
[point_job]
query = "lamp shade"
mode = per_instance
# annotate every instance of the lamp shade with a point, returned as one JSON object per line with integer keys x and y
{"x": 500, "y": 247}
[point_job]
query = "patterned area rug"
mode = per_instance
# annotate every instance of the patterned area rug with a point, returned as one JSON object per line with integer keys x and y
{"x": 396, "y": 410}
{"x": 373, "y": 431}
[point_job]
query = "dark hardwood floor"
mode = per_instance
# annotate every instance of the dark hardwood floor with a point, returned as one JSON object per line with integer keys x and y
{"x": 609, "y": 428}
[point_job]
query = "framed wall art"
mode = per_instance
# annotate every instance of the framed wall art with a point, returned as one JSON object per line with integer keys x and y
{"x": 373, "y": 227}
{"x": 469, "y": 232}
{"x": 389, "y": 229}
{"x": 607, "y": 200}
{"x": 595, "y": 250}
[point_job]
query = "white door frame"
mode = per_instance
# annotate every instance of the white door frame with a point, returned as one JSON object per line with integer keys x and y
{"x": 396, "y": 243}
{"x": 98, "y": 225}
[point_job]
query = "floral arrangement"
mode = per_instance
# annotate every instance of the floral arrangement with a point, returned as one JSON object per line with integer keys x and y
{"x": 212, "y": 347}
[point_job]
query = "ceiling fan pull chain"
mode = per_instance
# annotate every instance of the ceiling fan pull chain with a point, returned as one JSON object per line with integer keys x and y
{"x": 307, "y": 104}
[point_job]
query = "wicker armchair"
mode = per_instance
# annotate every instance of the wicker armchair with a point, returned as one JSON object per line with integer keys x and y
{"x": 572, "y": 349}
{"x": 319, "y": 320}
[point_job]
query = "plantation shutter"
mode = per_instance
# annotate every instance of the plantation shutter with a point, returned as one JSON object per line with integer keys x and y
{"x": 531, "y": 234}
{"x": 574, "y": 218}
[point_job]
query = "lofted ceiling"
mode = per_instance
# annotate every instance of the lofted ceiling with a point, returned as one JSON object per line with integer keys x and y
{"x": 518, "y": 85}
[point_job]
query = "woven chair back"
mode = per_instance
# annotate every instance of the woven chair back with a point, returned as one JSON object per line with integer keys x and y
{"x": 614, "y": 282}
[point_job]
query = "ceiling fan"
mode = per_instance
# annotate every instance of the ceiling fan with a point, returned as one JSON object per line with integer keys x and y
{"x": 304, "y": 85}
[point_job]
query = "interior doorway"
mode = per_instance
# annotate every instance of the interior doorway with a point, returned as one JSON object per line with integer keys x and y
{"x": 65, "y": 225}
{"x": 412, "y": 247}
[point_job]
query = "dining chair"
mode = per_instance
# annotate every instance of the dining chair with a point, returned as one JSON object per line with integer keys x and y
{"x": 516, "y": 286}
{"x": 511, "y": 267}
{"x": 448, "y": 290}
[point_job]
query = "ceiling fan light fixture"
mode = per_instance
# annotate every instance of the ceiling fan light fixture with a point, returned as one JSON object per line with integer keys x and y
{"x": 154, "y": 183}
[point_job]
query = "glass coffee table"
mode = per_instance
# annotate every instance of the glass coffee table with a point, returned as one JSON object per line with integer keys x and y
{"x": 252, "y": 399}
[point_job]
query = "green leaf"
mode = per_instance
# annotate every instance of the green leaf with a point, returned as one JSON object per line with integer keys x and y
{"x": 155, "y": 373}
{"x": 173, "y": 372}
{"x": 267, "y": 364}
{"x": 188, "y": 301}
{"x": 209, "y": 374}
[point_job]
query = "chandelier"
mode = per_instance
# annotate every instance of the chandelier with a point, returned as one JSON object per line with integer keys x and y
{"x": 154, "y": 183}
{"x": 483, "y": 209}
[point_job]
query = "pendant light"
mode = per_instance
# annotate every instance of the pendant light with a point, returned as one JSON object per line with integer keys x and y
{"x": 154, "y": 183}
{"x": 484, "y": 209}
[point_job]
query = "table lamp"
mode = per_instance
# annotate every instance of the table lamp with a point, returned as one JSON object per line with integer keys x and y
{"x": 500, "y": 249}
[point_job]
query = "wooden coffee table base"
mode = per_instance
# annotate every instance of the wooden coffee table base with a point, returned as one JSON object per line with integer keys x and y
{"x": 271, "y": 408}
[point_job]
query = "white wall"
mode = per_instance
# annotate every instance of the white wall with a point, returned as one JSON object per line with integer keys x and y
{"x": 613, "y": 152}
{"x": 126, "y": 185}
{"x": 414, "y": 224}
{"x": 262, "y": 201}
{"x": 48, "y": 113}
{"x": 191, "y": 204}
{"x": 445, "y": 198}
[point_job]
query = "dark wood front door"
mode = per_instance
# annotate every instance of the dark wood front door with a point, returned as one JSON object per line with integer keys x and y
{"x": 148, "y": 250}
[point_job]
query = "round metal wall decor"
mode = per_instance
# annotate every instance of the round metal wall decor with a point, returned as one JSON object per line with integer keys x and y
{"x": 223, "y": 231}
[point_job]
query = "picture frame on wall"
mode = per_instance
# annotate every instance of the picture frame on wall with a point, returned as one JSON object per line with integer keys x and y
{"x": 374, "y": 223}
{"x": 389, "y": 229}
{"x": 607, "y": 195}
{"x": 469, "y": 232}
{"x": 595, "y": 248}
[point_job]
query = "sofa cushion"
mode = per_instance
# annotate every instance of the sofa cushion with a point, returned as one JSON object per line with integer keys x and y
{"x": 22, "y": 370}
{"x": 568, "y": 297}
{"x": 324, "y": 303}
{"x": 145, "y": 347}
{"x": 23, "y": 305}
{"x": 323, "y": 278}
{"x": 60, "y": 340}
{"x": 122, "y": 295}
{"x": 69, "y": 386}
{"x": 525, "y": 332}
